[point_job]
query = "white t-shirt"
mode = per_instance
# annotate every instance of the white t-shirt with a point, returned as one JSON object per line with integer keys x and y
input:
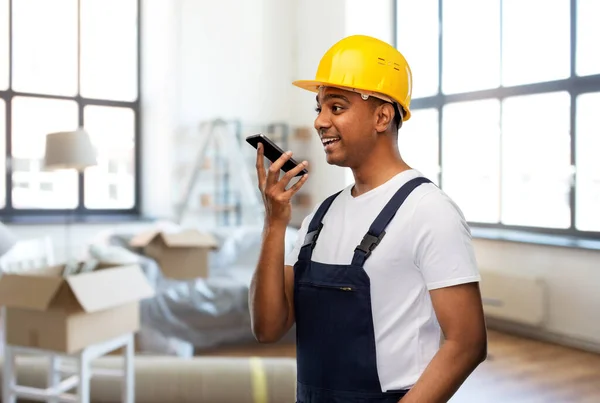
{"x": 427, "y": 246}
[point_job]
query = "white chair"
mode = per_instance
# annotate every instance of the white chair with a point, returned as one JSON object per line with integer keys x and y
{"x": 78, "y": 371}
{"x": 32, "y": 254}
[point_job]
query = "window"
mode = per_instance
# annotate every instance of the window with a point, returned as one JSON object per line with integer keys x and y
{"x": 536, "y": 161}
{"x": 588, "y": 32}
{"x": 418, "y": 141}
{"x": 511, "y": 98}
{"x": 60, "y": 69}
{"x": 531, "y": 55}
{"x": 476, "y": 166}
{"x": 462, "y": 72}
{"x": 419, "y": 19}
{"x": 587, "y": 198}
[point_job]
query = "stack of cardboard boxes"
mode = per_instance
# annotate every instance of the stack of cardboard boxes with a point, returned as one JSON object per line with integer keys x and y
{"x": 67, "y": 308}
{"x": 66, "y": 313}
{"x": 181, "y": 255}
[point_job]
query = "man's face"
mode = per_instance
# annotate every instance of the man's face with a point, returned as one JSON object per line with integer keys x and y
{"x": 346, "y": 125}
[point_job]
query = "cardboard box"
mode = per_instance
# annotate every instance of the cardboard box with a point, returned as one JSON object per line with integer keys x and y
{"x": 181, "y": 255}
{"x": 66, "y": 314}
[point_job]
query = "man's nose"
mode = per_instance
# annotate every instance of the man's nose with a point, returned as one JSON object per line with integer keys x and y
{"x": 322, "y": 122}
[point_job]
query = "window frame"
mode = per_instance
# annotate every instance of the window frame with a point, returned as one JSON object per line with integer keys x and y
{"x": 9, "y": 213}
{"x": 574, "y": 85}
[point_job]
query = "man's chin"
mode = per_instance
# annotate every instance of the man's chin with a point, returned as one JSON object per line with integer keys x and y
{"x": 333, "y": 159}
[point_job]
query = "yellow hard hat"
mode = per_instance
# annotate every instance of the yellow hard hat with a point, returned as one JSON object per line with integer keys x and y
{"x": 368, "y": 66}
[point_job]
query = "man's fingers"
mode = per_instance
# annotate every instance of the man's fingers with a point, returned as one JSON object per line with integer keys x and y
{"x": 292, "y": 173}
{"x": 273, "y": 174}
{"x": 295, "y": 187}
{"x": 260, "y": 166}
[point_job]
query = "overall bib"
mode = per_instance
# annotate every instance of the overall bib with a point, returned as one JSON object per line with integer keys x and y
{"x": 335, "y": 338}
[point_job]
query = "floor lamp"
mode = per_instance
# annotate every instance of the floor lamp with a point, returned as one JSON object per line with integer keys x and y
{"x": 69, "y": 150}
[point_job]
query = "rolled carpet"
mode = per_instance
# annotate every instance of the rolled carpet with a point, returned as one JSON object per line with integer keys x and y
{"x": 189, "y": 380}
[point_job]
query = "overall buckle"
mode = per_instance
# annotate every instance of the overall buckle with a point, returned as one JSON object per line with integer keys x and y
{"x": 311, "y": 237}
{"x": 369, "y": 242}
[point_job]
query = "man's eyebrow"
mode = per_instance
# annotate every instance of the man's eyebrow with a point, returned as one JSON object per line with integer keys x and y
{"x": 333, "y": 96}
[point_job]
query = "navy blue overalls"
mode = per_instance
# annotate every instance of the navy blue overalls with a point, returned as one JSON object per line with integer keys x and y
{"x": 335, "y": 339}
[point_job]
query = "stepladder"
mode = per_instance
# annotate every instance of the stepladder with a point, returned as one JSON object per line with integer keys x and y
{"x": 69, "y": 375}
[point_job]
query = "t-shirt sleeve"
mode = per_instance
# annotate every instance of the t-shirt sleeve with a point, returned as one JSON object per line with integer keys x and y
{"x": 292, "y": 257}
{"x": 443, "y": 248}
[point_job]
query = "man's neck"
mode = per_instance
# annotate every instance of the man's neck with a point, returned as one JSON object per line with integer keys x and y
{"x": 376, "y": 171}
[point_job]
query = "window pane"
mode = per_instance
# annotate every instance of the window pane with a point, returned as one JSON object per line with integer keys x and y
{"x": 418, "y": 142}
{"x": 45, "y": 46}
{"x": 588, "y": 32}
{"x": 4, "y": 45}
{"x": 418, "y": 33}
{"x": 471, "y": 158}
{"x": 588, "y": 165}
{"x": 535, "y": 41}
{"x": 110, "y": 184}
{"x": 461, "y": 71}
{"x": 536, "y": 155}
{"x": 2, "y": 153}
{"x": 109, "y": 56}
{"x": 32, "y": 120}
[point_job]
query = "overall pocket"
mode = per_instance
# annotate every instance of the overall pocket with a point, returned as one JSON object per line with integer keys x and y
{"x": 335, "y": 340}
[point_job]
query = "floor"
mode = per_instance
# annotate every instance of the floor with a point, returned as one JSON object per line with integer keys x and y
{"x": 517, "y": 371}
{"x": 526, "y": 371}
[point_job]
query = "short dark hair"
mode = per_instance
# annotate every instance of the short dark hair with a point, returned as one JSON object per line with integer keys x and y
{"x": 398, "y": 116}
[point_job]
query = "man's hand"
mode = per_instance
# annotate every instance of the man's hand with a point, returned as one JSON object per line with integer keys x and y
{"x": 460, "y": 313}
{"x": 276, "y": 197}
{"x": 272, "y": 286}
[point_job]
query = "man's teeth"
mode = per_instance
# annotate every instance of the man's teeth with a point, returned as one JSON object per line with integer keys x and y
{"x": 327, "y": 141}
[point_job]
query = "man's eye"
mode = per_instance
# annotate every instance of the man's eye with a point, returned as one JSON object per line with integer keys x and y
{"x": 318, "y": 109}
{"x": 336, "y": 108}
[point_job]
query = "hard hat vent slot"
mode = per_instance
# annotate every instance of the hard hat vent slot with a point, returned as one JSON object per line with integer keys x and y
{"x": 396, "y": 67}
{"x": 381, "y": 60}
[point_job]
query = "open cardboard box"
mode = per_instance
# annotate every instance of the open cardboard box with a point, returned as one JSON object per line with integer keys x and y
{"x": 66, "y": 314}
{"x": 181, "y": 255}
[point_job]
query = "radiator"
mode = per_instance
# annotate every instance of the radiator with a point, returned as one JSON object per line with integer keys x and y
{"x": 516, "y": 298}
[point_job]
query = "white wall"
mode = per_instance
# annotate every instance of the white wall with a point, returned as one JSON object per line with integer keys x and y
{"x": 236, "y": 60}
{"x": 572, "y": 277}
{"x": 160, "y": 100}
{"x": 320, "y": 24}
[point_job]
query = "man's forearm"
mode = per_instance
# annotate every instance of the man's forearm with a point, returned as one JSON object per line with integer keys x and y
{"x": 450, "y": 367}
{"x": 268, "y": 304}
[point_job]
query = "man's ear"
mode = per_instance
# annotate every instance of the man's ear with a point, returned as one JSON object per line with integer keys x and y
{"x": 384, "y": 117}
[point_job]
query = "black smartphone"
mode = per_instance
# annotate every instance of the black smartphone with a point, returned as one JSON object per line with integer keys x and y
{"x": 273, "y": 152}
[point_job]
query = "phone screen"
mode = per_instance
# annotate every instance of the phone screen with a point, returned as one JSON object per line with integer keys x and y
{"x": 272, "y": 152}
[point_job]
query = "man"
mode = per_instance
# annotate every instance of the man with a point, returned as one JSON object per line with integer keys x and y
{"x": 381, "y": 269}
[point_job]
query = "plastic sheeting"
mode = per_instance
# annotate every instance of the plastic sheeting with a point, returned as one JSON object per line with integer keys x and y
{"x": 204, "y": 312}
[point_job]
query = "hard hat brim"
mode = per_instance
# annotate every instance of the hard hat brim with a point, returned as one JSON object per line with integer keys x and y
{"x": 309, "y": 85}
{"x": 314, "y": 85}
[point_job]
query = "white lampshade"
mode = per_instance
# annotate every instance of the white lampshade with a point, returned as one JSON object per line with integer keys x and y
{"x": 7, "y": 239}
{"x": 69, "y": 150}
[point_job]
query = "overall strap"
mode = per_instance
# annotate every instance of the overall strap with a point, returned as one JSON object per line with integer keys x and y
{"x": 315, "y": 226}
{"x": 377, "y": 230}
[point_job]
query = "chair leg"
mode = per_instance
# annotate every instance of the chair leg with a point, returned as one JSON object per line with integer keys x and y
{"x": 9, "y": 376}
{"x": 128, "y": 378}
{"x": 83, "y": 389}
{"x": 53, "y": 375}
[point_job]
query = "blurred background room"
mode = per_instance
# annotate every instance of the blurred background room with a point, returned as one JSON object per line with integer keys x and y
{"x": 131, "y": 221}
